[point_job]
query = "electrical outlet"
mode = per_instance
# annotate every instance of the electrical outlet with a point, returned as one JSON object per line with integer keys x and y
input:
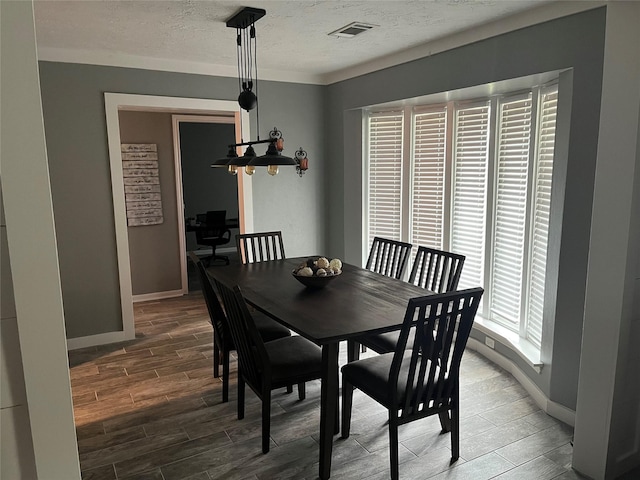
{"x": 490, "y": 342}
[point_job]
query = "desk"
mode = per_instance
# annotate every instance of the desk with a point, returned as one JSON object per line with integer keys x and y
{"x": 358, "y": 302}
{"x": 229, "y": 223}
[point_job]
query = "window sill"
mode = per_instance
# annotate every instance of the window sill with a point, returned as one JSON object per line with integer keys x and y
{"x": 523, "y": 348}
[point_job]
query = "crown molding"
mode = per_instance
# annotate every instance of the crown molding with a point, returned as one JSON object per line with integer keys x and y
{"x": 110, "y": 59}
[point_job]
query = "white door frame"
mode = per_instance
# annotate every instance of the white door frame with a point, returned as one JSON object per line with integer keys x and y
{"x": 119, "y": 101}
{"x": 175, "y": 122}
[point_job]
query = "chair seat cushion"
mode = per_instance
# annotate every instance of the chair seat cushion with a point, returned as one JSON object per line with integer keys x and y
{"x": 371, "y": 375}
{"x": 385, "y": 342}
{"x": 269, "y": 329}
{"x": 293, "y": 359}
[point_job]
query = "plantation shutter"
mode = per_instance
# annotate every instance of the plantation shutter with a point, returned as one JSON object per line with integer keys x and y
{"x": 514, "y": 133}
{"x": 385, "y": 175}
{"x": 468, "y": 210}
{"x": 541, "y": 209}
{"x": 427, "y": 187}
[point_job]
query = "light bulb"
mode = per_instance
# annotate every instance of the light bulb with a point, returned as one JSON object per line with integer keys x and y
{"x": 272, "y": 170}
{"x": 249, "y": 169}
{"x": 233, "y": 169}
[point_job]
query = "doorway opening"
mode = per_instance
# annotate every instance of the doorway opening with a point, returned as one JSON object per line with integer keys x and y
{"x": 198, "y": 141}
{"x": 115, "y": 103}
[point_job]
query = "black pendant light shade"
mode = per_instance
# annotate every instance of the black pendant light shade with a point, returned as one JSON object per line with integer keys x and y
{"x": 244, "y": 160}
{"x": 272, "y": 157}
{"x": 223, "y": 162}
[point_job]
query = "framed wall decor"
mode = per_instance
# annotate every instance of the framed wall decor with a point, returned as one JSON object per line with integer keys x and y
{"x": 141, "y": 184}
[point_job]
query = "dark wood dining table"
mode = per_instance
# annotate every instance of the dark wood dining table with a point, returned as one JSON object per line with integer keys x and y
{"x": 355, "y": 303}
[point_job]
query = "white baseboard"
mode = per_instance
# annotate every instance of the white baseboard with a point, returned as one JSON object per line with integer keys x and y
{"x": 554, "y": 409}
{"x": 145, "y": 297}
{"x": 99, "y": 339}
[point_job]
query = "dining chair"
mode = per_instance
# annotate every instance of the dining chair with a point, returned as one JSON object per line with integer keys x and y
{"x": 268, "y": 328}
{"x": 260, "y": 247}
{"x": 435, "y": 270}
{"x": 388, "y": 257}
{"x": 265, "y": 366}
{"x": 213, "y": 233}
{"x": 421, "y": 381}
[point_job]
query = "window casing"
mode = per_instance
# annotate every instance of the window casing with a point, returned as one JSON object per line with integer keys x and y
{"x": 473, "y": 178}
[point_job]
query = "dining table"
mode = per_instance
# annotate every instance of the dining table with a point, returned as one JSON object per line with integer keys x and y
{"x": 355, "y": 303}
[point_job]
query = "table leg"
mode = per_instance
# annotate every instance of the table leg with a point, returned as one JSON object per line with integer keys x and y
{"x": 328, "y": 406}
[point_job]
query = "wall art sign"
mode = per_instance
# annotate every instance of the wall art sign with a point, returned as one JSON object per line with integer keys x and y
{"x": 141, "y": 184}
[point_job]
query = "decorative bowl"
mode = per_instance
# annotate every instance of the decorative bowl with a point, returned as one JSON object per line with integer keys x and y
{"x": 314, "y": 281}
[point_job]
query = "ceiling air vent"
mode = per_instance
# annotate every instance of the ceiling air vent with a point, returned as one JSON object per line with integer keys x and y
{"x": 351, "y": 30}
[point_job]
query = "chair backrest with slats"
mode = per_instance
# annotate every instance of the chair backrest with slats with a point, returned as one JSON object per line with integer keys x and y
{"x": 388, "y": 257}
{"x": 436, "y": 270}
{"x": 252, "y": 355}
{"x": 443, "y": 323}
{"x": 260, "y": 247}
{"x": 216, "y": 314}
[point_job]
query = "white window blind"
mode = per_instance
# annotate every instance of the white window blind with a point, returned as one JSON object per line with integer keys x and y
{"x": 541, "y": 213}
{"x": 514, "y": 133}
{"x": 468, "y": 212}
{"x": 385, "y": 175}
{"x": 427, "y": 186}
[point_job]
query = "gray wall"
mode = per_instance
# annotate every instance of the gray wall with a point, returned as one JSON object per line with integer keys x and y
{"x": 154, "y": 250}
{"x": 16, "y": 455}
{"x": 575, "y": 42}
{"x": 287, "y": 202}
{"x": 75, "y": 126}
{"x": 205, "y": 188}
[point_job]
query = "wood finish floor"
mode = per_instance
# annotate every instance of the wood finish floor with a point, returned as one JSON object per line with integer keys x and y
{"x": 150, "y": 409}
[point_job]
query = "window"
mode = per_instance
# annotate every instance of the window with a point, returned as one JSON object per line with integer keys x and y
{"x": 479, "y": 183}
{"x": 384, "y": 181}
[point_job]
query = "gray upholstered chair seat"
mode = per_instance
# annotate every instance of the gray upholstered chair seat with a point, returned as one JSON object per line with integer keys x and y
{"x": 269, "y": 329}
{"x": 293, "y": 358}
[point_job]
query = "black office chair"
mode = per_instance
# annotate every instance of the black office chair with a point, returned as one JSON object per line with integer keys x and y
{"x": 260, "y": 247}
{"x": 436, "y": 270}
{"x": 388, "y": 257}
{"x": 423, "y": 380}
{"x": 213, "y": 233}
{"x": 268, "y": 328}
{"x": 267, "y": 366}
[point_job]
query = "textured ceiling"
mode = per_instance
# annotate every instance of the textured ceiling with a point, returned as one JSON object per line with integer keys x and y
{"x": 292, "y": 37}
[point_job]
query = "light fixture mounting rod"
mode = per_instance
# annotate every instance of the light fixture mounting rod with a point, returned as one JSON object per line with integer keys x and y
{"x": 246, "y": 17}
{"x": 254, "y": 142}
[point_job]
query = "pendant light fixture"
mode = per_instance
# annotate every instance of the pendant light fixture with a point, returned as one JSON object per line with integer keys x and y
{"x": 244, "y": 23}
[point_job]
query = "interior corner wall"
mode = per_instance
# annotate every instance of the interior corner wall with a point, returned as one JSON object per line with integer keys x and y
{"x": 37, "y": 434}
{"x": 16, "y": 455}
{"x": 75, "y": 125}
{"x": 154, "y": 250}
{"x": 607, "y": 433}
{"x": 575, "y": 41}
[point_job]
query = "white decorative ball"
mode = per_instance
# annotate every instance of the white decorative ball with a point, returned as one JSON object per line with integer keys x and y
{"x": 305, "y": 272}
{"x": 321, "y": 272}
{"x": 322, "y": 262}
{"x": 336, "y": 263}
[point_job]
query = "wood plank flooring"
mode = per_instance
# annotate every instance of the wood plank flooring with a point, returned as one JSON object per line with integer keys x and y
{"x": 150, "y": 409}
